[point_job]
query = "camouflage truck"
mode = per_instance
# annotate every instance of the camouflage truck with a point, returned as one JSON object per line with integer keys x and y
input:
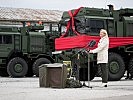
{"x": 23, "y": 49}
{"x": 118, "y": 23}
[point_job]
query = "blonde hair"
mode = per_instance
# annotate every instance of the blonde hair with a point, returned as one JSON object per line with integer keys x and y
{"x": 104, "y": 31}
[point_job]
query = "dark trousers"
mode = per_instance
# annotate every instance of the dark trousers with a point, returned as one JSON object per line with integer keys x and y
{"x": 104, "y": 70}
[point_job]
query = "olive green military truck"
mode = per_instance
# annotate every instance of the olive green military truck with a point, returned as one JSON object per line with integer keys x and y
{"x": 23, "y": 49}
{"x": 119, "y": 25}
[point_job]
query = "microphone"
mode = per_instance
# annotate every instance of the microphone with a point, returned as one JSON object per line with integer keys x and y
{"x": 91, "y": 43}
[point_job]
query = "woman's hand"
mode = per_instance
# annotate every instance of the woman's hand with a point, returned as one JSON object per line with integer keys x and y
{"x": 90, "y": 51}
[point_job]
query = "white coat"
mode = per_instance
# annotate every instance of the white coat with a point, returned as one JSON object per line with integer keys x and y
{"x": 102, "y": 50}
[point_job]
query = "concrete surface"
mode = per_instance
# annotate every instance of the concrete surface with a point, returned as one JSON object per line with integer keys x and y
{"x": 28, "y": 89}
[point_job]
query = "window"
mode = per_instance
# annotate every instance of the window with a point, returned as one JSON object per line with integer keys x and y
{"x": 5, "y": 39}
{"x": 93, "y": 26}
{"x": 80, "y": 25}
{"x": 96, "y": 25}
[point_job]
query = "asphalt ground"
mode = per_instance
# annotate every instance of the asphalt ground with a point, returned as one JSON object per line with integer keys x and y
{"x": 29, "y": 89}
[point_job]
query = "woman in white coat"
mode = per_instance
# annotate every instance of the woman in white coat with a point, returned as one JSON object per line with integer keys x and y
{"x": 102, "y": 55}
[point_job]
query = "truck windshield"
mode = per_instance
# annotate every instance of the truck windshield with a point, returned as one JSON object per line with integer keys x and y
{"x": 89, "y": 26}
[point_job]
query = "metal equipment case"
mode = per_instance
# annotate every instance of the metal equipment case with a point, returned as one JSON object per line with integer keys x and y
{"x": 53, "y": 75}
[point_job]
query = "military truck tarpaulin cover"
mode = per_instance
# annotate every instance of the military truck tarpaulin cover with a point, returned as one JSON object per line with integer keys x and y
{"x": 80, "y": 41}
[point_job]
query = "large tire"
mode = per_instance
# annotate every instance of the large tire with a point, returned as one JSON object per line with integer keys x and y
{"x": 37, "y": 63}
{"x": 130, "y": 66}
{"x": 116, "y": 67}
{"x": 3, "y": 72}
{"x": 17, "y": 67}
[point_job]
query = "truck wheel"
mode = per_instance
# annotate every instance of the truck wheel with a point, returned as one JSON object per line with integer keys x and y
{"x": 130, "y": 66}
{"x": 116, "y": 67}
{"x": 37, "y": 63}
{"x": 3, "y": 72}
{"x": 17, "y": 67}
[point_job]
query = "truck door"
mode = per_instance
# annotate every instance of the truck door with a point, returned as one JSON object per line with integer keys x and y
{"x": 111, "y": 27}
{"x": 6, "y": 45}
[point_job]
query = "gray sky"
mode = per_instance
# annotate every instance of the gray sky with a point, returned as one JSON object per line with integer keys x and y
{"x": 65, "y": 4}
